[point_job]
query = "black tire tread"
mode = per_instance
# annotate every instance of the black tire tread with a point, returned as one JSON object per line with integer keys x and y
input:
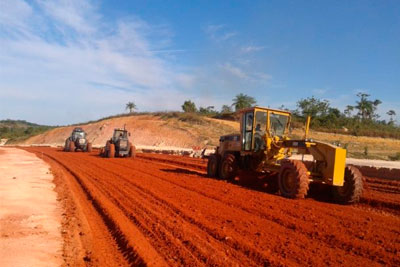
{"x": 303, "y": 181}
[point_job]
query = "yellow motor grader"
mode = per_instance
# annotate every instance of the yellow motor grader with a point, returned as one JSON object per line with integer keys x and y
{"x": 264, "y": 146}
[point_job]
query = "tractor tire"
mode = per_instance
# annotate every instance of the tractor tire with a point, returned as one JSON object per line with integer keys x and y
{"x": 228, "y": 167}
{"x": 352, "y": 188}
{"x": 293, "y": 179}
{"x": 66, "y": 146}
{"x": 89, "y": 147}
{"x": 71, "y": 147}
{"x": 102, "y": 152}
{"x": 111, "y": 151}
{"x": 132, "y": 151}
{"x": 212, "y": 165}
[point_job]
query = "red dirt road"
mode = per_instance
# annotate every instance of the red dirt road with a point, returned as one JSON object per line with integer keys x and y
{"x": 161, "y": 210}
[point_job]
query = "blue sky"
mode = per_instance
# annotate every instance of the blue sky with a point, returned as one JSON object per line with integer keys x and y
{"x": 64, "y": 62}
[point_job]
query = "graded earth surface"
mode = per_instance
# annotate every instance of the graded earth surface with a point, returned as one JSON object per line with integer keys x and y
{"x": 162, "y": 210}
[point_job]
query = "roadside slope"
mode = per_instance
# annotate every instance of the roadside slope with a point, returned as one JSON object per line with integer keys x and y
{"x": 146, "y": 130}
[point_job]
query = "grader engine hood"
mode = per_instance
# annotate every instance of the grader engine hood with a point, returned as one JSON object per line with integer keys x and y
{"x": 330, "y": 159}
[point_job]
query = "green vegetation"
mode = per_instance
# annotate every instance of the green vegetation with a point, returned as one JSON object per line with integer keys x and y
{"x": 189, "y": 106}
{"x": 18, "y": 130}
{"x": 365, "y": 122}
{"x": 243, "y": 101}
{"x": 131, "y": 106}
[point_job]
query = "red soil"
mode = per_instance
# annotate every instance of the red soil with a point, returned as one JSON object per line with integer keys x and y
{"x": 162, "y": 210}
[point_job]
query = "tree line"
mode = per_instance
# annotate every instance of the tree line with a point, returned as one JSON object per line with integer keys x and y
{"x": 358, "y": 119}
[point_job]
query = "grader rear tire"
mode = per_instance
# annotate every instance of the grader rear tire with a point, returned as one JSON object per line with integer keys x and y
{"x": 111, "y": 151}
{"x": 228, "y": 167}
{"x": 293, "y": 179}
{"x": 71, "y": 147}
{"x": 212, "y": 165}
{"x": 352, "y": 188}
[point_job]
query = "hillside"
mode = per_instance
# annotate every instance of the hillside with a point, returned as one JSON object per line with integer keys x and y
{"x": 18, "y": 130}
{"x": 187, "y": 131}
{"x": 146, "y": 130}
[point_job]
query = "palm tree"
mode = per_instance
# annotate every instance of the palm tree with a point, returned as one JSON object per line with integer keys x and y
{"x": 131, "y": 106}
{"x": 243, "y": 101}
{"x": 348, "y": 110}
{"x": 391, "y": 113}
{"x": 367, "y": 108}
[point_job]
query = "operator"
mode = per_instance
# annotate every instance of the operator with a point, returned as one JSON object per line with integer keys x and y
{"x": 259, "y": 142}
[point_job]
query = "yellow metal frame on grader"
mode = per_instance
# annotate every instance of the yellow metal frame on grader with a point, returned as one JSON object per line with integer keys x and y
{"x": 267, "y": 149}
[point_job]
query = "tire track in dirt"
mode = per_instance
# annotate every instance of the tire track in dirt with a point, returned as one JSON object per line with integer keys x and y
{"x": 142, "y": 216}
{"x": 373, "y": 200}
{"x": 128, "y": 251}
{"x": 329, "y": 240}
{"x": 242, "y": 225}
{"x": 164, "y": 205}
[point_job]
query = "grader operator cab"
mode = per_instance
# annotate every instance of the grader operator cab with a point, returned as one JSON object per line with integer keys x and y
{"x": 263, "y": 146}
{"x": 77, "y": 141}
{"x": 119, "y": 145}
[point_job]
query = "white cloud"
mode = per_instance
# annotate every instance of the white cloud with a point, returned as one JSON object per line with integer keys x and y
{"x": 219, "y": 33}
{"x": 249, "y": 75}
{"x": 78, "y": 67}
{"x": 320, "y": 91}
{"x": 78, "y": 15}
{"x": 235, "y": 71}
{"x": 252, "y": 48}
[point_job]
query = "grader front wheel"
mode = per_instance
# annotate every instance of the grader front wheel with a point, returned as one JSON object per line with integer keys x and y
{"x": 352, "y": 188}
{"x": 293, "y": 179}
{"x": 228, "y": 167}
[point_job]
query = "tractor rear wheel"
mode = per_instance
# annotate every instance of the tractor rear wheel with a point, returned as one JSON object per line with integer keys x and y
{"x": 111, "y": 151}
{"x": 293, "y": 179}
{"x": 212, "y": 165}
{"x": 89, "y": 147}
{"x": 66, "y": 146}
{"x": 352, "y": 188}
{"x": 228, "y": 167}
{"x": 132, "y": 150}
{"x": 71, "y": 147}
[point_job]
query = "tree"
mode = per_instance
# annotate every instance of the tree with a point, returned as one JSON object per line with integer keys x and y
{"x": 391, "y": 113}
{"x": 348, "y": 110}
{"x": 208, "y": 110}
{"x": 226, "y": 109}
{"x": 367, "y": 108}
{"x": 131, "y": 106}
{"x": 313, "y": 107}
{"x": 243, "y": 101}
{"x": 189, "y": 106}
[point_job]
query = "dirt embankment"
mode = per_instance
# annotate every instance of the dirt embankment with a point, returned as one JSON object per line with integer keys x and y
{"x": 162, "y": 210}
{"x": 146, "y": 130}
{"x": 186, "y": 132}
